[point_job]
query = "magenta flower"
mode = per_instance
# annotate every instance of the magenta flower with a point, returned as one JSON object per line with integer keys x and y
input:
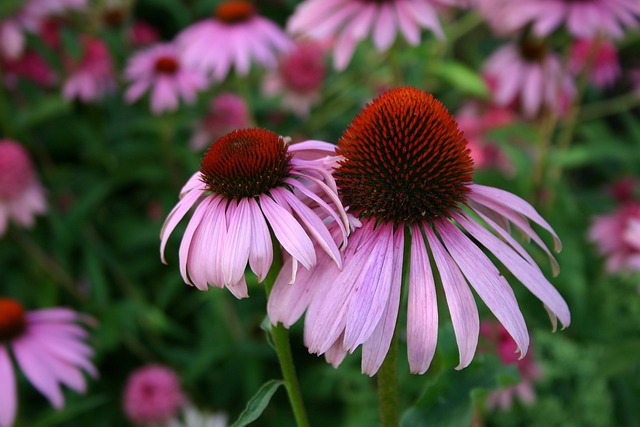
{"x": 583, "y": 18}
{"x": 531, "y": 76}
{"x": 405, "y": 172}
{"x": 152, "y": 395}
{"x": 227, "y": 112}
{"x": 298, "y": 78}
{"x": 250, "y": 181}
{"x": 12, "y": 41}
{"x": 233, "y": 37}
{"x": 160, "y": 70}
{"x": 91, "y": 77}
{"x": 599, "y": 58}
{"x": 527, "y": 368}
{"x": 49, "y": 347}
{"x": 351, "y": 21}
{"x": 143, "y": 34}
{"x": 617, "y": 237}
{"x": 21, "y": 195}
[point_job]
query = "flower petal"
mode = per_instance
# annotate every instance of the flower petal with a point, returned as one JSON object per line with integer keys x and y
{"x": 9, "y": 400}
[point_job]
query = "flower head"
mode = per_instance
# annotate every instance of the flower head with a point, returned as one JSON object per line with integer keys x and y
{"x": 583, "y": 18}
{"x": 160, "y": 70}
{"x": 598, "y": 57}
{"x": 21, "y": 195}
{"x": 48, "y": 345}
{"x": 152, "y": 395}
{"x": 233, "y": 37}
{"x": 250, "y": 181}
{"x": 617, "y": 237}
{"x": 227, "y": 112}
{"x": 351, "y": 21}
{"x": 299, "y": 77}
{"x": 90, "y": 77}
{"x": 405, "y": 171}
{"x": 529, "y": 75}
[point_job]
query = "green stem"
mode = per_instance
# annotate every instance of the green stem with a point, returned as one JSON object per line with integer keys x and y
{"x": 597, "y": 110}
{"x": 388, "y": 394}
{"x": 280, "y": 337}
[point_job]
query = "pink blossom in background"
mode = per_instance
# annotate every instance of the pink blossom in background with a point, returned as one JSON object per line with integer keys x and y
{"x": 624, "y": 189}
{"x": 598, "y": 57}
{"x": 475, "y": 121}
{"x": 404, "y": 167}
{"x": 617, "y": 238}
{"x": 531, "y": 76}
{"x": 298, "y": 78}
{"x": 527, "y": 367}
{"x": 582, "y": 18}
{"x": 634, "y": 78}
{"x": 160, "y": 71}
{"x": 351, "y": 21}
{"x": 30, "y": 66}
{"x": 12, "y": 41}
{"x": 21, "y": 195}
{"x": 252, "y": 181}
{"x": 49, "y": 347}
{"x": 227, "y": 112}
{"x": 91, "y": 76}
{"x": 152, "y": 396}
{"x": 234, "y": 37}
{"x": 143, "y": 34}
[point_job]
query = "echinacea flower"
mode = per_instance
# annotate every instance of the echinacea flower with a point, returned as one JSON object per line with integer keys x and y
{"x": 598, "y": 57}
{"x": 21, "y": 195}
{"x": 90, "y": 77}
{"x": 48, "y": 346}
{"x": 583, "y": 18}
{"x": 227, "y": 112}
{"x": 252, "y": 181}
{"x": 233, "y": 37}
{"x": 617, "y": 237}
{"x": 298, "y": 78}
{"x": 529, "y": 74}
{"x": 406, "y": 173}
{"x": 351, "y": 21}
{"x": 528, "y": 369}
{"x": 152, "y": 395}
{"x": 160, "y": 70}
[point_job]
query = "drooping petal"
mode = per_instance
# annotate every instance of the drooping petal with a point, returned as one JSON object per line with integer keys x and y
{"x": 9, "y": 400}
{"x": 236, "y": 256}
{"x": 261, "y": 246}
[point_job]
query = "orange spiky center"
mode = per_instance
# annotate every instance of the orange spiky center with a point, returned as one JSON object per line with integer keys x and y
{"x": 234, "y": 11}
{"x": 167, "y": 65}
{"x": 246, "y": 163}
{"x": 12, "y": 319}
{"x": 405, "y": 160}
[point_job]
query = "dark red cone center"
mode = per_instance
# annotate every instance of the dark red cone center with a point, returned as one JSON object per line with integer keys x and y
{"x": 235, "y": 11}
{"x": 12, "y": 319}
{"x": 166, "y": 65}
{"x": 246, "y": 163}
{"x": 405, "y": 159}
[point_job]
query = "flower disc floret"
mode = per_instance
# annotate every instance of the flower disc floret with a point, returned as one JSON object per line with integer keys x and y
{"x": 167, "y": 65}
{"x": 234, "y": 11}
{"x": 12, "y": 319}
{"x": 246, "y": 163}
{"x": 405, "y": 159}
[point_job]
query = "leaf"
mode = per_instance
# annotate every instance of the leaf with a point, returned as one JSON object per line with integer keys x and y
{"x": 449, "y": 399}
{"x": 258, "y": 403}
{"x": 47, "y": 109}
{"x": 460, "y": 76}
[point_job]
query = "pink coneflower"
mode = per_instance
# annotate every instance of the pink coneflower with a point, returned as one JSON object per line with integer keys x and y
{"x": 12, "y": 41}
{"x": 527, "y": 367}
{"x": 152, "y": 395}
{"x": 351, "y": 21}
{"x": 583, "y": 18}
{"x": 251, "y": 181}
{"x": 90, "y": 77}
{"x": 405, "y": 171}
{"x": 143, "y": 34}
{"x": 530, "y": 73}
{"x": 227, "y": 112}
{"x": 298, "y": 78}
{"x": 49, "y": 348}
{"x": 160, "y": 70}
{"x": 617, "y": 237}
{"x": 233, "y": 37}
{"x": 599, "y": 57}
{"x": 29, "y": 66}
{"x": 475, "y": 122}
{"x": 21, "y": 195}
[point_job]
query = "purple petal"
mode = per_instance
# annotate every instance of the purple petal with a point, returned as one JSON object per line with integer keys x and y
{"x": 385, "y": 28}
{"x": 185, "y": 244}
{"x": 174, "y": 217}
{"x": 9, "y": 400}
{"x": 37, "y": 370}
{"x": 261, "y": 246}
{"x": 236, "y": 255}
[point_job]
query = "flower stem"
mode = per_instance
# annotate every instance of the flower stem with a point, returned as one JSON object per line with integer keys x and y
{"x": 280, "y": 337}
{"x": 388, "y": 394}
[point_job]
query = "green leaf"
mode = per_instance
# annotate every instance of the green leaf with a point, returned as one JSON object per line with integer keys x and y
{"x": 449, "y": 399}
{"x": 45, "y": 110}
{"x": 460, "y": 76}
{"x": 258, "y": 403}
